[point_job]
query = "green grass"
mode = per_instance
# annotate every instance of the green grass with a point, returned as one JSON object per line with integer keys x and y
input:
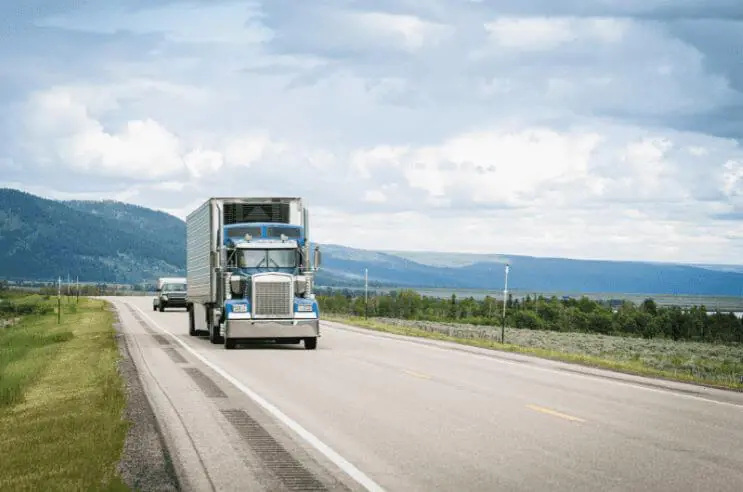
{"x": 700, "y": 363}
{"x": 15, "y": 305}
{"x": 61, "y": 401}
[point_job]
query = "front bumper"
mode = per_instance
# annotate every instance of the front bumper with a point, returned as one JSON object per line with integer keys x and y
{"x": 173, "y": 302}
{"x": 271, "y": 329}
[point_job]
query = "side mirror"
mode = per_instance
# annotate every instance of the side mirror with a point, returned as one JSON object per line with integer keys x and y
{"x": 318, "y": 258}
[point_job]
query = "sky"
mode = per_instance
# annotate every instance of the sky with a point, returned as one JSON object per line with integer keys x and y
{"x": 586, "y": 129}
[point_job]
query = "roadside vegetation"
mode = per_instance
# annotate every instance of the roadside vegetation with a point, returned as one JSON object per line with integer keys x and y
{"x": 61, "y": 396}
{"x": 645, "y": 339}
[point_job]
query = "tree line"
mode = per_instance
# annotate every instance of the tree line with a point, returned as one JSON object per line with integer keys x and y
{"x": 609, "y": 317}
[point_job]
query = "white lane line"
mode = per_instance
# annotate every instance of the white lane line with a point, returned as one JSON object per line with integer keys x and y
{"x": 463, "y": 349}
{"x": 310, "y": 438}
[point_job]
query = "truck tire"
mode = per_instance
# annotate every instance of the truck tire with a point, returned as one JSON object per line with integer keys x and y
{"x": 191, "y": 321}
{"x": 162, "y": 306}
{"x": 229, "y": 343}
{"x": 310, "y": 343}
{"x": 214, "y": 335}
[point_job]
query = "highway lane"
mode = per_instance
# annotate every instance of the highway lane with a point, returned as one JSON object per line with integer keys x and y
{"x": 415, "y": 417}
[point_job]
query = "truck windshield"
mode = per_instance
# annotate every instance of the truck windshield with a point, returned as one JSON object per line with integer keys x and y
{"x": 267, "y": 258}
{"x": 174, "y": 287}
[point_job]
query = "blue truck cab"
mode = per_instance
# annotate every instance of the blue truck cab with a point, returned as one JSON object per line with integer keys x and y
{"x": 277, "y": 248}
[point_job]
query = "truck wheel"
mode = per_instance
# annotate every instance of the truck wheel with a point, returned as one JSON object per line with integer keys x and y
{"x": 191, "y": 322}
{"x": 162, "y": 307}
{"x": 214, "y": 336}
{"x": 310, "y": 343}
{"x": 154, "y": 308}
{"x": 229, "y": 343}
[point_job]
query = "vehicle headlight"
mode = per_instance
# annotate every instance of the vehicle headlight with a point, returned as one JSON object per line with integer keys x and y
{"x": 239, "y": 308}
{"x": 304, "y": 308}
{"x": 165, "y": 298}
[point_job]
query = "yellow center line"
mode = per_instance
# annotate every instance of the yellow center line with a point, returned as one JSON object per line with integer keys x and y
{"x": 554, "y": 413}
{"x": 417, "y": 374}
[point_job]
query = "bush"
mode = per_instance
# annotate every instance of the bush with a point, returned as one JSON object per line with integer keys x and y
{"x": 24, "y": 307}
{"x": 528, "y": 320}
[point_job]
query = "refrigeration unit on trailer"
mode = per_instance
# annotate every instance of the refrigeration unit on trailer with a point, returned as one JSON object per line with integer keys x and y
{"x": 250, "y": 271}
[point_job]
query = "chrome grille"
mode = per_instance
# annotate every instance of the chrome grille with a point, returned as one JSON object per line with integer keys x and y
{"x": 272, "y": 298}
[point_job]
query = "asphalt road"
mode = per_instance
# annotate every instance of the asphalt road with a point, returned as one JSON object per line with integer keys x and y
{"x": 378, "y": 412}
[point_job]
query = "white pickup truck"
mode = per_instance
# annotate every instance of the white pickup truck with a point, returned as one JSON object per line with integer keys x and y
{"x": 171, "y": 292}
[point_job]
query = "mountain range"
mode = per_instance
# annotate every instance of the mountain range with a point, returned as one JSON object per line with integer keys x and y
{"x": 107, "y": 241}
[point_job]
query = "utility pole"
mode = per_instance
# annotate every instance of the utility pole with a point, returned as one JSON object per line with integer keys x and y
{"x": 366, "y": 293}
{"x": 77, "y": 290}
{"x": 505, "y": 298}
{"x": 59, "y": 300}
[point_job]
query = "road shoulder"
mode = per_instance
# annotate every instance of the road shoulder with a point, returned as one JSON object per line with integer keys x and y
{"x": 218, "y": 436}
{"x": 146, "y": 463}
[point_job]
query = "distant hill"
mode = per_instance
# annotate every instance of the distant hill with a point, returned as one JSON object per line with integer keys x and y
{"x": 168, "y": 231}
{"x": 117, "y": 242}
{"x": 472, "y": 271}
{"x": 106, "y": 241}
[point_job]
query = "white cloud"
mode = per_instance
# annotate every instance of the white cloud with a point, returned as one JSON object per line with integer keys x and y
{"x": 413, "y": 127}
{"x": 375, "y": 196}
{"x": 547, "y": 33}
{"x": 246, "y": 150}
{"x": 410, "y": 31}
{"x": 233, "y": 22}
{"x": 64, "y": 131}
{"x": 202, "y": 163}
{"x": 530, "y": 33}
{"x": 733, "y": 182}
{"x": 142, "y": 149}
{"x": 492, "y": 167}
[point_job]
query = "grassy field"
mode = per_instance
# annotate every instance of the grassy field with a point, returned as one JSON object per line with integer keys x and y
{"x": 701, "y": 363}
{"x": 61, "y": 400}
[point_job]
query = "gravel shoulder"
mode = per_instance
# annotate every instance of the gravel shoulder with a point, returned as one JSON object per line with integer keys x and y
{"x": 145, "y": 463}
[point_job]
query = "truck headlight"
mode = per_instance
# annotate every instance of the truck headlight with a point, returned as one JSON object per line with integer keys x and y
{"x": 164, "y": 297}
{"x": 239, "y": 308}
{"x": 304, "y": 308}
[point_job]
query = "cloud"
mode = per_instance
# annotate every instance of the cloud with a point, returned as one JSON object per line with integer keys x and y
{"x": 542, "y": 33}
{"x": 62, "y": 129}
{"x": 544, "y": 128}
{"x": 196, "y": 22}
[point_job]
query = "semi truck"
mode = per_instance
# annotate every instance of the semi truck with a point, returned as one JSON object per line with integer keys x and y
{"x": 171, "y": 292}
{"x": 250, "y": 271}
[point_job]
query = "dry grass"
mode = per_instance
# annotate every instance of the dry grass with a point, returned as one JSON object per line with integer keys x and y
{"x": 701, "y": 363}
{"x": 61, "y": 402}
